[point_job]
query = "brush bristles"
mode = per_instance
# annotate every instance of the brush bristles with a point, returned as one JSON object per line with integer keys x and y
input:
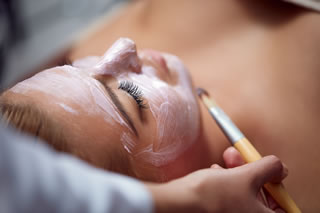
{"x": 204, "y": 96}
{"x": 209, "y": 103}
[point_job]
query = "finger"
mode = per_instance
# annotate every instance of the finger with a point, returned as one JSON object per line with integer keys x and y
{"x": 279, "y": 211}
{"x": 264, "y": 209}
{"x": 284, "y": 174}
{"x": 216, "y": 166}
{"x": 232, "y": 158}
{"x": 272, "y": 203}
{"x": 262, "y": 198}
{"x": 265, "y": 170}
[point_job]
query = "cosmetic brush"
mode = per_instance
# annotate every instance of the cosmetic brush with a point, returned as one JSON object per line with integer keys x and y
{"x": 246, "y": 149}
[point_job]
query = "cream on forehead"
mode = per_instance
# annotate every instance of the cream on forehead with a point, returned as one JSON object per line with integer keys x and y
{"x": 121, "y": 57}
{"x": 69, "y": 85}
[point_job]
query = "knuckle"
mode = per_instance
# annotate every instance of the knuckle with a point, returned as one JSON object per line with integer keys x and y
{"x": 275, "y": 162}
{"x": 274, "y": 159}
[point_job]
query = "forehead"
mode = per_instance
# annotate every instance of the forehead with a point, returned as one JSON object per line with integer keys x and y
{"x": 79, "y": 104}
{"x": 72, "y": 90}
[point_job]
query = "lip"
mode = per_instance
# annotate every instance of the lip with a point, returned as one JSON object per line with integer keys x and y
{"x": 158, "y": 59}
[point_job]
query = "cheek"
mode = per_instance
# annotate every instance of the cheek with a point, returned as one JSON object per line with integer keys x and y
{"x": 176, "y": 116}
{"x": 177, "y": 124}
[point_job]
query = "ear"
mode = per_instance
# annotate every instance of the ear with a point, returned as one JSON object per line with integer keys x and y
{"x": 121, "y": 57}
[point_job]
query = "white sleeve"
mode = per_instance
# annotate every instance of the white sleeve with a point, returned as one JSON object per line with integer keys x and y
{"x": 34, "y": 179}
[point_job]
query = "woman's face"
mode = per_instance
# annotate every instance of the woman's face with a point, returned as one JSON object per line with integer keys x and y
{"x": 138, "y": 105}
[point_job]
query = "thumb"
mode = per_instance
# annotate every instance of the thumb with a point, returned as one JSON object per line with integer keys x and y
{"x": 267, "y": 169}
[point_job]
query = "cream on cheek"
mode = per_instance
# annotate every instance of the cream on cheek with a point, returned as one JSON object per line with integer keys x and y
{"x": 174, "y": 108}
{"x": 175, "y": 112}
{"x": 74, "y": 91}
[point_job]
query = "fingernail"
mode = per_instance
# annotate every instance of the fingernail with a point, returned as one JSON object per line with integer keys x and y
{"x": 216, "y": 166}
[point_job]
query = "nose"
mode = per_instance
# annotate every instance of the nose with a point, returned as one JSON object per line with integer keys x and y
{"x": 157, "y": 58}
{"x": 121, "y": 57}
{"x": 157, "y": 61}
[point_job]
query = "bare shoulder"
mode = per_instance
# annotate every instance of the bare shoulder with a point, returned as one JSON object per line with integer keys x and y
{"x": 307, "y": 25}
{"x": 299, "y": 39}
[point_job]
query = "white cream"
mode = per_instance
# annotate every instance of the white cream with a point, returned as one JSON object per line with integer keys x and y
{"x": 175, "y": 110}
{"x": 173, "y": 107}
{"x": 68, "y": 84}
{"x": 68, "y": 108}
{"x": 121, "y": 57}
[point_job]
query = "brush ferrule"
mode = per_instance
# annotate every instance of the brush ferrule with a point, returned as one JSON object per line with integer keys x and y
{"x": 225, "y": 123}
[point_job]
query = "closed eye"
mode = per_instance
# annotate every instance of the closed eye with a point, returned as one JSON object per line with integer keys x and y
{"x": 134, "y": 91}
{"x": 118, "y": 104}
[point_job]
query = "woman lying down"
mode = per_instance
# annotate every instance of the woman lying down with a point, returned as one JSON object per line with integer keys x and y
{"x": 128, "y": 112}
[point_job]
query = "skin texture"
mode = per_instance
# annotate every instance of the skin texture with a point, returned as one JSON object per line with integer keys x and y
{"x": 258, "y": 59}
{"x": 158, "y": 146}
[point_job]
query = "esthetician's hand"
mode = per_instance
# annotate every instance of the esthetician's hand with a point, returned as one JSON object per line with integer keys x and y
{"x": 232, "y": 158}
{"x": 219, "y": 190}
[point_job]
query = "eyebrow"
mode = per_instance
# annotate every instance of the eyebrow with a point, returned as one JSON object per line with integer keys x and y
{"x": 120, "y": 107}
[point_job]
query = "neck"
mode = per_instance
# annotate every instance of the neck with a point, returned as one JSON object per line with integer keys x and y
{"x": 186, "y": 16}
{"x": 205, "y": 20}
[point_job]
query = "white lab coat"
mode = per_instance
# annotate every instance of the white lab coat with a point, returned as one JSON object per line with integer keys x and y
{"x": 33, "y": 178}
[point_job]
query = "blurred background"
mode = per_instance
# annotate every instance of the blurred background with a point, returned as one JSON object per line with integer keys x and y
{"x": 35, "y": 34}
{"x": 27, "y": 26}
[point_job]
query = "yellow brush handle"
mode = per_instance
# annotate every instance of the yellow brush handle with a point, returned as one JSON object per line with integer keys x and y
{"x": 277, "y": 191}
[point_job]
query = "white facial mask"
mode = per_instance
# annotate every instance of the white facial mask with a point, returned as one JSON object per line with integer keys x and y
{"x": 174, "y": 107}
{"x": 85, "y": 92}
{"x": 175, "y": 110}
{"x": 121, "y": 57}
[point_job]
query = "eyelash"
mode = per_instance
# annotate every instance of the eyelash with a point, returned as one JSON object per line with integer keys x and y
{"x": 135, "y": 92}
